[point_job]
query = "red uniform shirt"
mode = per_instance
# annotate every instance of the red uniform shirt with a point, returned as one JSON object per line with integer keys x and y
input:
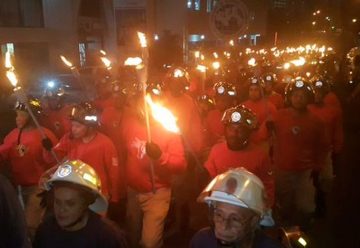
{"x": 276, "y": 99}
{"x": 172, "y": 160}
{"x": 332, "y": 100}
{"x": 99, "y": 153}
{"x": 263, "y": 109}
{"x": 58, "y": 120}
{"x": 252, "y": 158}
{"x": 102, "y": 103}
{"x": 331, "y": 116}
{"x": 184, "y": 108}
{"x": 110, "y": 120}
{"x": 214, "y": 126}
{"x": 26, "y": 158}
{"x": 301, "y": 142}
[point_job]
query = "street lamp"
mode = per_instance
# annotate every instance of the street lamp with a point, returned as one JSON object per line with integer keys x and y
{"x": 354, "y": 20}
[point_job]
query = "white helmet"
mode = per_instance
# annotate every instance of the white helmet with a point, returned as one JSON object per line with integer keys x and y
{"x": 237, "y": 187}
{"x": 79, "y": 173}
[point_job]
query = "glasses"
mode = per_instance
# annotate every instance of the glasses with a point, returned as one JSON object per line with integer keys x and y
{"x": 233, "y": 221}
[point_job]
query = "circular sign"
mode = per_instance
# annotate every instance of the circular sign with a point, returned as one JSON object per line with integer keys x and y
{"x": 229, "y": 19}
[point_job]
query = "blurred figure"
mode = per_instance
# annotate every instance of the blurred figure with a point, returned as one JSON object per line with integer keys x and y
{"x": 78, "y": 202}
{"x": 56, "y": 113}
{"x": 256, "y": 102}
{"x": 270, "y": 80}
{"x": 22, "y": 147}
{"x": 225, "y": 97}
{"x": 332, "y": 119}
{"x": 148, "y": 197}
{"x": 238, "y": 151}
{"x": 301, "y": 146}
{"x": 86, "y": 143}
{"x": 13, "y": 227}
{"x": 236, "y": 203}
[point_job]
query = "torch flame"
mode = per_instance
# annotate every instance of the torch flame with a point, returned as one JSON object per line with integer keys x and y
{"x": 8, "y": 64}
{"x": 299, "y": 62}
{"x": 142, "y": 39}
{"x": 12, "y": 78}
{"x": 216, "y": 65}
{"x": 252, "y": 62}
{"x": 66, "y": 62}
{"x": 106, "y": 62}
{"x": 201, "y": 68}
{"x": 163, "y": 116}
{"x": 133, "y": 61}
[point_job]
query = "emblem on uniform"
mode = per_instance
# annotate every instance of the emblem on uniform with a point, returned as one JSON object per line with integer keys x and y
{"x": 231, "y": 185}
{"x": 140, "y": 147}
{"x": 64, "y": 171}
{"x": 295, "y": 130}
{"x": 268, "y": 78}
{"x": 254, "y": 81}
{"x": 21, "y": 149}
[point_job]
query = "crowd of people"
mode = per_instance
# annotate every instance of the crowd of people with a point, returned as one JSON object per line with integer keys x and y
{"x": 109, "y": 174}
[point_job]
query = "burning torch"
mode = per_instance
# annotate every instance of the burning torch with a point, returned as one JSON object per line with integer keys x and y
{"x": 143, "y": 79}
{"x": 21, "y": 96}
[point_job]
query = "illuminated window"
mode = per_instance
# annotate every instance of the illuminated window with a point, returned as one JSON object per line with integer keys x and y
{"x": 197, "y": 5}
{"x": 189, "y": 4}
{"x": 82, "y": 53}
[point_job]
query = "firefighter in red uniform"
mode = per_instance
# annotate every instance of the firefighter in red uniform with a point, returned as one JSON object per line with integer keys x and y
{"x": 275, "y": 98}
{"x": 110, "y": 120}
{"x": 184, "y": 108}
{"x": 332, "y": 119}
{"x": 147, "y": 210}
{"x": 225, "y": 97}
{"x": 262, "y": 108}
{"x": 188, "y": 118}
{"x": 238, "y": 151}
{"x": 300, "y": 148}
{"x": 103, "y": 89}
{"x": 56, "y": 114}
{"x": 87, "y": 144}
{"x": 22, "y": 147}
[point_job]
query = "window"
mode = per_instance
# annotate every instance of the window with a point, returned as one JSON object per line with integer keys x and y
{"x": 197, "y": 4}
{"x": 82, "y": 53}
{"x": 21, "y": 13}
{"x": 189, "y": 4}
{"x": 193, "y": 4}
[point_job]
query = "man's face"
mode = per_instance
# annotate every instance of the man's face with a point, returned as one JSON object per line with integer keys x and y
{"x": 254, "y": 93}
{"x": 78, "y": 129}
{"x": 22, "y": 118}
{"x": 299, "y": 99}
{"x": 69, "y": 206}
{"x": 233, "y": 223}
{"x": 236, "y": 136}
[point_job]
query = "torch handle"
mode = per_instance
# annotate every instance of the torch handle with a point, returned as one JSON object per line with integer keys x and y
{"x": 145, "y": 56}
